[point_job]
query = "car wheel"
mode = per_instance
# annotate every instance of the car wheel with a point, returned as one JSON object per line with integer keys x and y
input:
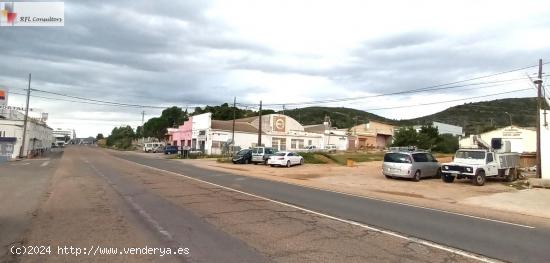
{"x": 387, "y": 176}
{"x": 417, "y": 176}
{"x": 438, "y": 174}
{"x": 255, "y": 163}
{"x": 272, "y": 165}
{"x": 287, "y": 164}
{"x": 479, "y": 178}
{"x": 447, "y": 178}
{"x": 302, "y": 161}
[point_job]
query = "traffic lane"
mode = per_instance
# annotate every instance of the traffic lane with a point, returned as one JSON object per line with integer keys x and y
{"x": 23, "y": 184}
{"x": 489, "y": 238}
{"x": 283, "y": 233}
{"x": 84, "y": 213}
{"x": 175, "y": 224}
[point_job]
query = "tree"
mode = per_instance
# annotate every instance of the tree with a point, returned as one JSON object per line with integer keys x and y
{"x": 428, "y": 137}
{"x": 155, "y": 127}
{"x": 121, "y": 137}
{"x": 406, "y": 136}
{"x": 174, "y": 116}
{"x": 447, "y": 144}
{"x": 99, "y": 136}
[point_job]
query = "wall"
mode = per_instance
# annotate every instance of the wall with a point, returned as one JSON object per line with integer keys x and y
{"x": 544, "y": 142}
{"x": 184, "y": 132}
{"x": 522, "y": 140}
{"x": 14, "y": 128}
{"x": 444, "y": 128}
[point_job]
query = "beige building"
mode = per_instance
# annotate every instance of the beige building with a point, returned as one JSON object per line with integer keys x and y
{"x": 372, "y": 135}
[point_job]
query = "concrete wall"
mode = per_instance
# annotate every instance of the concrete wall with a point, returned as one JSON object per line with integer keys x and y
{"x": 545, "y": 142}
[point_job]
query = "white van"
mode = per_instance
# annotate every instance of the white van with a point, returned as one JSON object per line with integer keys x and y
{"x": 153, "y": 147}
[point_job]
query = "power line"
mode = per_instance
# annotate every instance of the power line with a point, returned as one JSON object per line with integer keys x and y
{"x": 440, "y": 102}
{"x": 434, "y": 87}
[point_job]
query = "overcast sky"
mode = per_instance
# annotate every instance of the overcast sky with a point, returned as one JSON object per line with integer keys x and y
{"x": 184, "y": 53}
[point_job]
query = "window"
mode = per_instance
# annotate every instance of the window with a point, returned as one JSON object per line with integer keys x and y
{"x": 396, "y": 158}
{"x": 430, "y": 158}
{"x": 296, "y": 143}
{"x": 310, "y": 142}
{"x": 489, "y": 157}
{"x": 420, "y": 157}
{"x": 278, "y": 143}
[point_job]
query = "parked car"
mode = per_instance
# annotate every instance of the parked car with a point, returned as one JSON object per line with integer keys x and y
{"x": 410, "y": 164}
{"x": 171, "y": 149}
{"x": 330, "y": 148}
{"x": 243, "y": 156}
{"x": 285, "y": 159}
{"x": 262, "y": 154}
{"x": 311, "y": 149}
{"x": 153, "y": 147}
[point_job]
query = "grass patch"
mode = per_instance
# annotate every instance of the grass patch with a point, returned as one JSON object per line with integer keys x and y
{"x": 313, "y": 158}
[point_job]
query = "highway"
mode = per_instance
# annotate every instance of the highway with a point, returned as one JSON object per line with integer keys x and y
{"x": 500, "y": 240}
{"x": 91, "y": 197}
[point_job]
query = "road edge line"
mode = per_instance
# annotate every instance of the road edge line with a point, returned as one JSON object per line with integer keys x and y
{"x": 351, "y": 222}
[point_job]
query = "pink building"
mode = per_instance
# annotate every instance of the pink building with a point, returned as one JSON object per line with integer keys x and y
{"x": 182, "y": 136}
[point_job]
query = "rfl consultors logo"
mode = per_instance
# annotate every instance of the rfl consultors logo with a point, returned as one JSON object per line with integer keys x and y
{"x": 32, "y": 13}
{"x": 8, "y": 14}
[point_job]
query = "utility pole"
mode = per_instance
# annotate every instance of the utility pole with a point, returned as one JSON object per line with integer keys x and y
{"x": 260, "y": 127}
{"x": 142, "y": 118}
{"x": 283, "y": 109}
{"x": 538, "y": 81}
{"x": 234, "y": 116}
{"x": 26, "y": 119}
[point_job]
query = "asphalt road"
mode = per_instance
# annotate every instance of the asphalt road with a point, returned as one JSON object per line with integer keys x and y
{"x": 22, "y": 188}
{"x": 97, "y": 202}
{"x": 499, "y": 240}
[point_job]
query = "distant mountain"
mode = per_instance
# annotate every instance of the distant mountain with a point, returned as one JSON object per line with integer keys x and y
{"x": 474, "y": 117}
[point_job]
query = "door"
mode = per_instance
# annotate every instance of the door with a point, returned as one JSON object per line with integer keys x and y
{"x": 432, "y": 163}
{"x": 491, "y": 165}
{"x": 420, "y": 163}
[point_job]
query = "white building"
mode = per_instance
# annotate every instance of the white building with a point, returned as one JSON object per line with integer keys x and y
{"x": 39, "y": 136}
{"x": 544, "y": 142}
{"x": 444, "y": 128}
{"x": 278, "y": 131}
{"x": 522, "y": 140}
{"x": 331, "y": 135}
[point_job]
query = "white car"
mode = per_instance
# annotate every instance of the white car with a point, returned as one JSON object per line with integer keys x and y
{"x": 285, "y": 159}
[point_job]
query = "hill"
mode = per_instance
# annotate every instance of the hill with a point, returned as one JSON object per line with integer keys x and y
{"x": 340, "y": 117}
{"x": 474, "y": 117}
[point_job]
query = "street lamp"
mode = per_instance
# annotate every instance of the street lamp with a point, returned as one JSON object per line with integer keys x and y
{"x": 509, "y": 115}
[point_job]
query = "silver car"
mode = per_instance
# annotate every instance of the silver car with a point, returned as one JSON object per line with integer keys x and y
{"x": 410, "y": 164}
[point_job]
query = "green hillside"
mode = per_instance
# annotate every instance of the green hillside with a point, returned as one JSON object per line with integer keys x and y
{"x": 474, "y": 117}
{"x": 340, "y": 117}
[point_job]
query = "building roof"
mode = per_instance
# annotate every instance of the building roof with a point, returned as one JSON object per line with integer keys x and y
{"x": 316, "y": 128}
{"x": 240, "y": 126}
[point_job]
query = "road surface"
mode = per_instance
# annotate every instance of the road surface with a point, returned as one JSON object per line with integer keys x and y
{"x": 105, "y": 199}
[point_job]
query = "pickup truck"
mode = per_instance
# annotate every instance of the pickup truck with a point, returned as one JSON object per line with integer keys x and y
{"x": 478, "y": 164}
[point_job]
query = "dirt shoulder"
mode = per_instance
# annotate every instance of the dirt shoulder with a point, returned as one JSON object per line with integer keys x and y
{"x": 366, "y": 179}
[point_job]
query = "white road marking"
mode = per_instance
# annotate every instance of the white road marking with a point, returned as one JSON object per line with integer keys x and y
{"x": 387, "y": 232}
{"x": 423, "y": 207}
{"x": 45, "y": 164}
{"x": 240, "y": 178}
